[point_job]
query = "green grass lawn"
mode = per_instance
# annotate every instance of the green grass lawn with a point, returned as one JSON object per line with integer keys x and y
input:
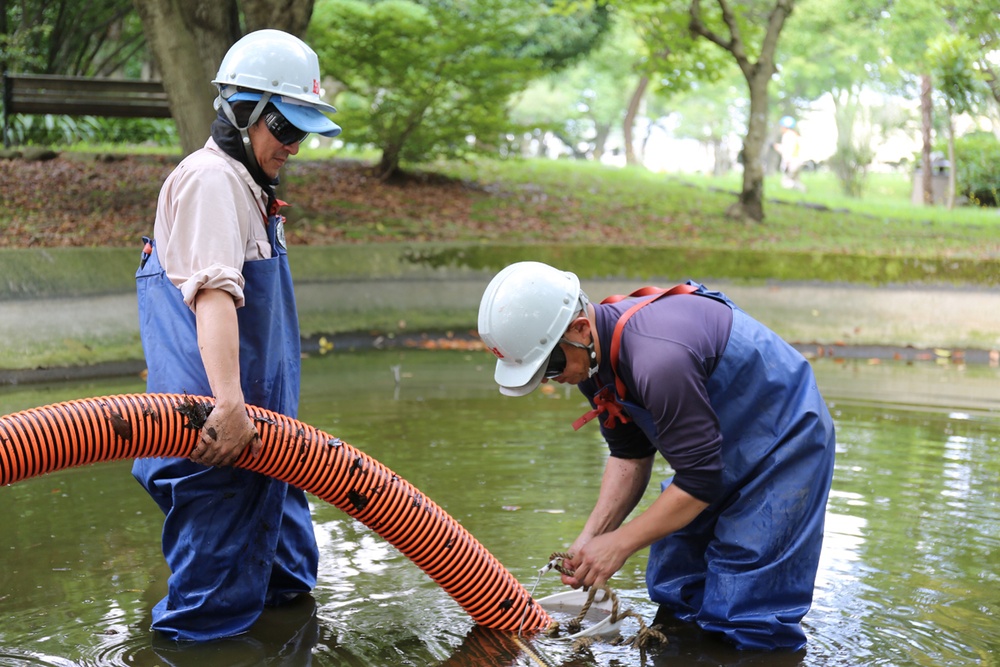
{"x": 689, "y": 210}
{"x": 582, "y": 203}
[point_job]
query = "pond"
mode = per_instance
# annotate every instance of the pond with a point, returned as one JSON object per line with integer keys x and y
{"x": 910, "y": 573}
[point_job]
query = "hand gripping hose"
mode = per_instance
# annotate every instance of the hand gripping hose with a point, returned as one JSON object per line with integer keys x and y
{"x": 76, "y": 433}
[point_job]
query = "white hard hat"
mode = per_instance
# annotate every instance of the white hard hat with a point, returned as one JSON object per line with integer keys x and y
{"x": 524, "y": 312}
{"x": 284, "y": 68}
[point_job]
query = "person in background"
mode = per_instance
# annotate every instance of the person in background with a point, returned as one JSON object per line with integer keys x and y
{"x": 735, "y": 534}
{"x": 790, "y": 149}
{"x": 218, "y": 318}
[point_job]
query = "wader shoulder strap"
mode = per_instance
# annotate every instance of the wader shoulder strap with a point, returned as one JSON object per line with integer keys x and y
{"x": 604, "y": 399}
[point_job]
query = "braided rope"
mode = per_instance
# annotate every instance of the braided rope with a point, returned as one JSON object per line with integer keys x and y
{"x": 645, "y": 636}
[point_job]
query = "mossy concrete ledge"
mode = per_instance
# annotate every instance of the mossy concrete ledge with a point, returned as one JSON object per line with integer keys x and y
{"x": 32, "y": 273}
{"x": 62, "y": 308}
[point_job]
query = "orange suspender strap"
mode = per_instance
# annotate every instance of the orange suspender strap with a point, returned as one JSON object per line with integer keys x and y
{"x": 604, "y": 400}
{"x": 616, "y": 338}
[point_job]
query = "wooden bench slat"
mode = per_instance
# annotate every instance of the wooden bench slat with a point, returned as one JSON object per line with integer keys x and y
{"x": 82, "y": 96}
{"x": 97, "y": 109}
{"x": 105, "y": 86}
{"x": 80, "y": 99}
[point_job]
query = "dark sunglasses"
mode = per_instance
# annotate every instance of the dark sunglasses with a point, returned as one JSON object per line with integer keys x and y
{"x": 282, "y": 130}
{"x": 556, "y": 363}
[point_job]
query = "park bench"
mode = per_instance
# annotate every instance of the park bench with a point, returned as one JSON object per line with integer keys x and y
{"x": 81, "y": 96}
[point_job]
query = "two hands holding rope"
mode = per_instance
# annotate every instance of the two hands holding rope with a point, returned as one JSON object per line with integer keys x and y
{"x": 561, "y": 562}
{"x": 593, "y": 562}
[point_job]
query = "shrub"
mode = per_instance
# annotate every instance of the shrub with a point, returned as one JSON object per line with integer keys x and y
{"x": 977, "y": 174}
{"x": 54, "y": 130}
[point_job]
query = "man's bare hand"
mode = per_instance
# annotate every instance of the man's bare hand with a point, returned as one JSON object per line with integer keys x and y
{"x": 227, "y": 432}
{"x": 596, "y": 561}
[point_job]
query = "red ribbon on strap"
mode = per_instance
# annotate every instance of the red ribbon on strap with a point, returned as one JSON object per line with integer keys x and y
{"x": 605, "y": 401}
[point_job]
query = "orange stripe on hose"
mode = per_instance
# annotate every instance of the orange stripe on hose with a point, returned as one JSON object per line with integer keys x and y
{"x": 81, "y": 432}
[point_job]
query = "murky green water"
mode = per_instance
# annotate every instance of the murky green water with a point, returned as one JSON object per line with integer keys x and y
{"x": 910, "y": 572}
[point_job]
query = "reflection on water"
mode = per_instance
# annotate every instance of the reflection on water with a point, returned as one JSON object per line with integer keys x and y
{"x": 909, "y": 575}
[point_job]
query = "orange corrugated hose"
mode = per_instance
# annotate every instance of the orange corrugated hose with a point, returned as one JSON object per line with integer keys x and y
{"x": 109, "y": 428}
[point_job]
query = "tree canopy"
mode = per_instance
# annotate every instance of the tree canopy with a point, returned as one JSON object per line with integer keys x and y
{"x": 95, "y": 38}
{"x": 436, "y": 78}
{"x": 418, "y": 79}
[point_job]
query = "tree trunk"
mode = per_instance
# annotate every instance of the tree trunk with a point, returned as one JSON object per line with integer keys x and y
{"x": 758, "y": 75}
{"x": 388, "y": 164}
{"x": 630, "y": 114}
{"x": 926, "y": 115}
{"x": 289, "y": 15}
{"x": 751, "y": 202}
{"x": 950, "y": 196}
{"x": 603, "y": 131}
{"x": 189, "y": 39}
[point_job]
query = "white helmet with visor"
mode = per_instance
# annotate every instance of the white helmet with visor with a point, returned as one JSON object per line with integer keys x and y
{"x": 524, "y": 312}
{"x": 277, "y": 67}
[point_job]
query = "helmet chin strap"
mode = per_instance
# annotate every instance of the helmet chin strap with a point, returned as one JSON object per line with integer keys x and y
{"x": 265, "y": 97}
{"x": 592, "y": 371}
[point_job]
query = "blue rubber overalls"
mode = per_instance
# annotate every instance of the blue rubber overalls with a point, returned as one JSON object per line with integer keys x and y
{"x": 234, "y": 540}
{"x": 746, "y": 566}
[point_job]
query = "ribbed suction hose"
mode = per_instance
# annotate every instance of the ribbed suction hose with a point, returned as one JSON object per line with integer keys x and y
{"x": 75, "y": 433}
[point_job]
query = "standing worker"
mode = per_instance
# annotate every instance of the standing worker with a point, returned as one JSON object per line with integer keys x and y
{"x": 790, "y": 150}
{"x": 217, "y": 317}
{"x": 735, "y": 535}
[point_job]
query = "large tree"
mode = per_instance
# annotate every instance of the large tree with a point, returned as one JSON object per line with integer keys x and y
{"x": 671, "y": 60}
{"x": 648, "y": 52}
{"x": 747, "y": 31}
{"x": 741, "y": 30}
{"x": 189, "y": 39}
{"x": 981, "y": 22}
{"x": 583, "y": 104}
{"x": 929, "y": 38}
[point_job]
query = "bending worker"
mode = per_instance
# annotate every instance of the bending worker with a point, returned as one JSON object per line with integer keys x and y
{"x": 735, "y": 535}
{"x": 217, "y": 317}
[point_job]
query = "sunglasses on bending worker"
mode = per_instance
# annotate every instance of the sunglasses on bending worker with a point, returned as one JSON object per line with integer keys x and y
{"x": 557, "y": 359}
{"x": 282, "y": 130}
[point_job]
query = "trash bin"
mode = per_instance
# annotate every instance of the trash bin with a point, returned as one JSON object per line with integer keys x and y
{"x": 940, "y": 169}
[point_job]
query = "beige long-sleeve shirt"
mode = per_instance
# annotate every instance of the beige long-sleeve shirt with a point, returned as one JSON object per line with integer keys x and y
{"x": 210, "y": 219}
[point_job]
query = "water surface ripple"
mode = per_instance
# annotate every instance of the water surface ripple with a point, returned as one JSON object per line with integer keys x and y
{"x": 909, "y": 574}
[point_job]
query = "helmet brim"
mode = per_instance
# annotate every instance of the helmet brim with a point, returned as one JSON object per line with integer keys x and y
{"x": 518, "y": 381}
{"x": 305, "y": 117}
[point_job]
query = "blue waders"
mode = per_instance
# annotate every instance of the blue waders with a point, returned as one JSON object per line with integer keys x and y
{"x": 746, "y": 566}
{"x": 234, "y": 540}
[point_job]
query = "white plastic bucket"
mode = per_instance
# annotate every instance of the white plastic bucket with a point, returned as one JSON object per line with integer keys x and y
{"x": 597, "y": 622}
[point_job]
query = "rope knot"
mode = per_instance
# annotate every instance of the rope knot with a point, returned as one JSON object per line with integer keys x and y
{"x": 606, "y": 402}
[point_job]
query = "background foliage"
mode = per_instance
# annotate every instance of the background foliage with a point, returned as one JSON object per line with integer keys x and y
{"x": 417, "y": 80}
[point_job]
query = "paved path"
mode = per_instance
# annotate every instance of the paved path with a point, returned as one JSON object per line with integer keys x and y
{"x": 804, "y": 314}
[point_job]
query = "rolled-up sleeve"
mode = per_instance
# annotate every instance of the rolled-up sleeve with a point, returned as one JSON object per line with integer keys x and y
{"x": 205, "y": 220}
